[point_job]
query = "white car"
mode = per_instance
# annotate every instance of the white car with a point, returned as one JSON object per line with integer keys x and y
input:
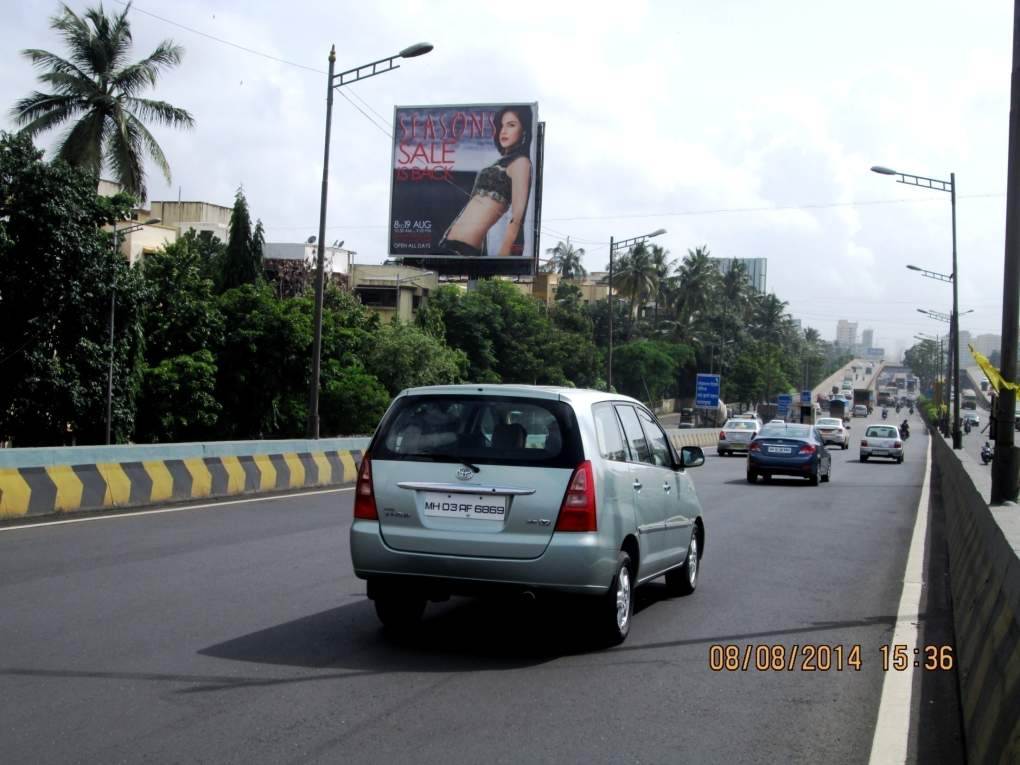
{"x": 833, "y": 432}
{"x": 860, "y": 410}
{"x": 882, "y": 441}
{"x": 736, "y": 435}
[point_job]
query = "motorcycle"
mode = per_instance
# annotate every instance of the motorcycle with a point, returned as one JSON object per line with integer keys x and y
{"x": 885, "y": 414}
{"x": 905, "y": 430}
{"x": 986, "y": 453}
{"x": 966, "y": 427}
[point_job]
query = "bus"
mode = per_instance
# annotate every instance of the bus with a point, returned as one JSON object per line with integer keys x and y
{"x": 968, "y": 399}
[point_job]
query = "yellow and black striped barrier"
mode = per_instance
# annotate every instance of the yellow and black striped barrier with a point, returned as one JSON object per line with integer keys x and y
{"x": 41, "y": 490}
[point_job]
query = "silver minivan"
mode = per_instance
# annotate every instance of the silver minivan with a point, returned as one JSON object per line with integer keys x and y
{"x": 472, "y": 489}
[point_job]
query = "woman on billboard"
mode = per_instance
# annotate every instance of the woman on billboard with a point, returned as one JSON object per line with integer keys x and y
{"x": 501, "y": 187}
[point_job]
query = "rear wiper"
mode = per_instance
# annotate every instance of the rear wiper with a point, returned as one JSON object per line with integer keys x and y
{"x": 451, "y": 458}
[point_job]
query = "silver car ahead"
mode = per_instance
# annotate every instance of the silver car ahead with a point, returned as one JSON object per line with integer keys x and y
{"x": 833, "y": 432}
{"x": 882, "y": 441}
{"x": 468, "y": 489}
{"x": 736, "y": 435}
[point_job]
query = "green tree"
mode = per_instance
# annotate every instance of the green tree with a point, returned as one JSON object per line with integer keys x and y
{"x": 242, "y": 259}
{"x": 57, "y": 273}
{"x": 182, "y": 324}
{"x": 649, "y": 369}
{"x": 352, "y": 401}
{"x": 635, "y": 278}
{"x": 404, "y": 356}
{"x": 96, "y": 86}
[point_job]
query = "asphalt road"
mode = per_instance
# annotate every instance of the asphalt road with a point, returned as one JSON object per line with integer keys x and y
{"x": 238, "y": 634}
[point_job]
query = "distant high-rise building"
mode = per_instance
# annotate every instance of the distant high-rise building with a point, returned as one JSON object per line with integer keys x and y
{"x": 797, "y": 324}
{"x": 867, "y": 339}
{"x": 985, "y": 344}
{"x": 756, "y": 269}
{"x": 846, "y": 334}
{"x": 966, "y": 359}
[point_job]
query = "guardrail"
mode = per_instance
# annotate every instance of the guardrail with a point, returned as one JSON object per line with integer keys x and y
{"x": 984, "y": 578}
{"x": 83, "y": 478}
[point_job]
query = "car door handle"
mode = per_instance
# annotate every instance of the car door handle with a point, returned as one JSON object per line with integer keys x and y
{"x": 637, "y": 485}
{"x": 666, "y": 487}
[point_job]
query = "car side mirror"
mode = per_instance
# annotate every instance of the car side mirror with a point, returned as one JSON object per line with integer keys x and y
{"x": 691, "y": 456}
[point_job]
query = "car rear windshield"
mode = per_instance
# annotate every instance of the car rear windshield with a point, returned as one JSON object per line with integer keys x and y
{"x": 479, "y": 429}
{"x": 785, "y": 431}
{"x": 829, "y": 422}
{"x": 882, "y": 433}
{"x": 741, "y": 425}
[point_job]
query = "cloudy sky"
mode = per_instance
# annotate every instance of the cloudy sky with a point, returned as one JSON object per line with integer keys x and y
{"x": 745, "y": 126}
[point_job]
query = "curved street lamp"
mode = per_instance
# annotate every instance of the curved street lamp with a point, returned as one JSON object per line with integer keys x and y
{"x": 334, "y": 81}
{"x": 623, "y": 244}
{"x": 954, "y": 330}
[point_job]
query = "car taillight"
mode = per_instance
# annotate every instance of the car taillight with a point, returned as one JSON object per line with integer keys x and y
{"x": 806, "y": 449}
{"x": 577, "y": 513}
{"x": 364, "y": 495}
{"x": 864, "y": 443}
{"x": 898, "y": 445}
{"x": 755, "y": 446}
{"x": 722, "y": 435}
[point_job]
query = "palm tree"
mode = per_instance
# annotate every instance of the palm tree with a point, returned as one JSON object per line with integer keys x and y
{"x": 566, "y": 259}
{"x": 636, "y": 277}
{"x": 99, "y": 89}
{"x": 663, "y": 265}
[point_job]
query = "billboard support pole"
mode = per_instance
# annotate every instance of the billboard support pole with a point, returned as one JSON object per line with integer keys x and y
{"x": 609, "y": 369}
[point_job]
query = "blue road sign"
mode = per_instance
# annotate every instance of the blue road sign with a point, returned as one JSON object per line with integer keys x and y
{"x": 707, "y": 392}
{"x": 784, "y": 401}
{"x": 805, "y": 397}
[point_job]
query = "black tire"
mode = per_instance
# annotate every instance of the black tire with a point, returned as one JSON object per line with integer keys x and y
{"x": 846, "y": 446}
{"x": 863, "y": 458}
{"x": 752, "y": 475}
{"x": 722, "y": 453}
{"x": 813, "y": 478}
{"x": 399, "y": 612}
{"x": 613, "y": 617}
{"x": 683, "y": 580}
{"x": 828, "y": 474}
{"x": 899, "y": 460}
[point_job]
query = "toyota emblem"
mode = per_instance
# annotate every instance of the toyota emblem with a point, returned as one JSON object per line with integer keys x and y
{"x": 464, "y": 474}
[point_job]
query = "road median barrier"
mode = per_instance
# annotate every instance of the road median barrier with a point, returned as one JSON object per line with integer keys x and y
{"x": 984, "y": 577}
{"x": 46, "y": 481}
{"x": 693, "y": 436}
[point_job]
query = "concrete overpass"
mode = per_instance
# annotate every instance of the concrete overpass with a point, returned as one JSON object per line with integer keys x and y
{"x": 856, "y": 370}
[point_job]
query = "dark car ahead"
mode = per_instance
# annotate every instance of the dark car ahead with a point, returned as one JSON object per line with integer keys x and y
{"x": 789, "y": 449}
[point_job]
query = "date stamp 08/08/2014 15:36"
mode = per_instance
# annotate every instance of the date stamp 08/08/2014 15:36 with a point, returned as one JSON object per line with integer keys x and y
{"x": 823, "y": 657}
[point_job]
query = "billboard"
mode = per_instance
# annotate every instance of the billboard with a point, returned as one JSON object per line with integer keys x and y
{"x": 465, "y": 179}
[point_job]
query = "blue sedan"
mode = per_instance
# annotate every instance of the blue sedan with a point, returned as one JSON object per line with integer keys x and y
{"x": 789, "y": 449}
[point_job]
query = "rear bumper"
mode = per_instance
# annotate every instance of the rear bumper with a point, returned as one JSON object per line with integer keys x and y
{"x": 571, "y": 563}
{"x": 732, "y": 446}
{"x": 892, "y": 454}
{"x": 781, "y": 467}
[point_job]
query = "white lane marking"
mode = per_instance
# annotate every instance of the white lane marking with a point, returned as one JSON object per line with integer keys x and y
{"x": 118, "y": 516}
{"x": 892, "y": 731}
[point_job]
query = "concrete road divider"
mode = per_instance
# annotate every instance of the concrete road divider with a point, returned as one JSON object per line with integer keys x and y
{"x": 693, "y": 436}
{"x": 71, "y": 479}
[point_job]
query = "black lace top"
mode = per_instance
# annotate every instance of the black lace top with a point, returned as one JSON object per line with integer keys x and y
{"x": 493, "y": 181}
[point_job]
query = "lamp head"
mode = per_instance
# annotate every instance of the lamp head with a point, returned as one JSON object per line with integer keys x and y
{"x": 914, "y": 268}
{"x": 657, "y": 232}
{"x": 883, "y": 170}
{"x": 418, "y": 49}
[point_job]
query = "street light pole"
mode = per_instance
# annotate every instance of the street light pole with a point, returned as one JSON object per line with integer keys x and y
{"x": 1006, "y": 462}
{"x": 613, "y": 247}
{"x": 113, "y": 310}
{"x": 948, "y": 186}
{"x": 333, "y": 81}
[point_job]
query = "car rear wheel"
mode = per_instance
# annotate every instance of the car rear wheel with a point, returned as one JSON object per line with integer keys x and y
{"x": 723, "y": 452}
{"x": 899, "y": 460}
{"x": 828, "y": 473}
{"x": 846, "y": 446}
{"x": 752, "y": 476}
{"x": 399, "y": 612}
{"x": 813, "y": 478}
{"x": 616, "y": 608}
{"x": 684, "y": 580}
{"x": 864, "y": 458}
